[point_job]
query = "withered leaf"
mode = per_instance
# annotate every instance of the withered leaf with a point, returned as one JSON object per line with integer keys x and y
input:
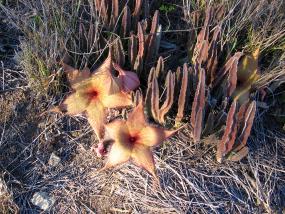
{"x": 247, "y": 75}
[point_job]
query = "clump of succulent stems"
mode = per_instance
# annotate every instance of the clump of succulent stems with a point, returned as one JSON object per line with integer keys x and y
{"x": 211, "y": 90}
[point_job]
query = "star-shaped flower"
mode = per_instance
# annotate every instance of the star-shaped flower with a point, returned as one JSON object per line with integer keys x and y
{"x": 94, "y": 93}
{"x": 120, "y": 80}
{"x": 133, "y": 140}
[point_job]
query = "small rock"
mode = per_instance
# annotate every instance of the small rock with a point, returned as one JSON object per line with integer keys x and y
{"x": 42, "y": 200}
{"x": 54, "y": 160}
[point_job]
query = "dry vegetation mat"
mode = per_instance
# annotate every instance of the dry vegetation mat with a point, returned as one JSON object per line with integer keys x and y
{"x": 139, "y": 106}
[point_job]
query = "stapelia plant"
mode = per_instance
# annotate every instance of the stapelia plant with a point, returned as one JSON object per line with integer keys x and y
{"x": 94, "y": 93}
{"x": 142, "y": 44}
{"x": 158, "y": 113}
{"x": 122, "y": 16}
{"x": 143, "y": 47}
{"x": 152, "y": 102}
{"x": 209, "y": 89}
{"x": 133, "y": 140}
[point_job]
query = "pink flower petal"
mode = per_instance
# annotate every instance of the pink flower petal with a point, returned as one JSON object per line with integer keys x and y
{"x": 130, "y": 80}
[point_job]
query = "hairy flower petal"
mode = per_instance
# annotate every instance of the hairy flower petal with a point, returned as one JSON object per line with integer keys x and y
{"x": 74, "y": 104}
{"x": 100, "y": 82}
{"x": 117, "y": 100}
{"x": 153, "y": 136}
{"x": 149, "y": 135}
{"x": 136, "y": 119}
{"x": 106, "y": 70}
{"x": 119, "y": 153}
{"x": 96, "y": 115}
{"x": 130, "y": 80}
{"x": 142, "y": 156}
{"x": 115, "y": 129}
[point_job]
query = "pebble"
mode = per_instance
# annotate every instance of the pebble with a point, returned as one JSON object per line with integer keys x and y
{"x": 42, "y": 200}
{"x": 54, "y": 160}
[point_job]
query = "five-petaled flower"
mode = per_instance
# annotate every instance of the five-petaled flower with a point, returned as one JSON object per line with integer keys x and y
{"x": 133, "y": 140}
{"x": 94, "y": 93}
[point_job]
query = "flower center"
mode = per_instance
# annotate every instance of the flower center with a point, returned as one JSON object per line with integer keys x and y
{"x": 93, "y": 94}
{"x": 133, "y": 139}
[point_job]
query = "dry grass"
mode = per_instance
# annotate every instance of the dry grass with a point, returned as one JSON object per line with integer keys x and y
{"x": 191, "y": 180}
{"x": 52, "y": 30}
